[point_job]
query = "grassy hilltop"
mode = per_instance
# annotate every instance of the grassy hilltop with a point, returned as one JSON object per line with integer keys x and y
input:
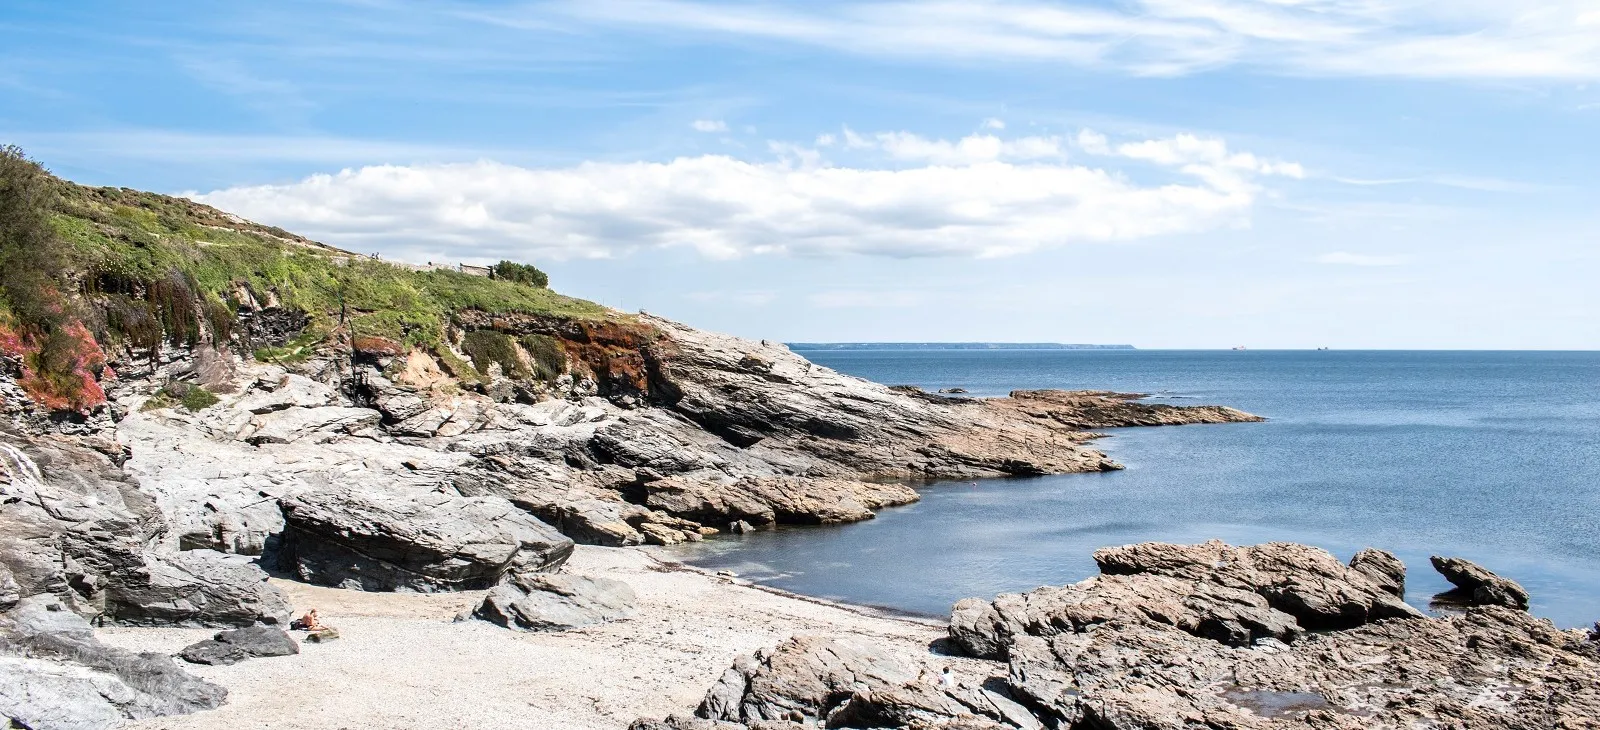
{"x": 85, "y": 271}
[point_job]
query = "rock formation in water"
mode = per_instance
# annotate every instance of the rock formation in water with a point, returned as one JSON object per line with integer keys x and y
{"x": 1174, "y": 637}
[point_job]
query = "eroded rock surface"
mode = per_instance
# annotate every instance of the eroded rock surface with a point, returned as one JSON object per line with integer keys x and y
{"x": 1479, "y": 586}
{"x": 1307, "y": 583}
{"x": 428, "y": 542}
{"x": 1139, "y": 649}
{"x": 811, "y": 679}
{"x": 55, "y": 674}
{"x": 556, "y": 602}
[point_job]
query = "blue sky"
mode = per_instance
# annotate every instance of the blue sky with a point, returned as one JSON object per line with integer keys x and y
{"x": 1166, "y": 173}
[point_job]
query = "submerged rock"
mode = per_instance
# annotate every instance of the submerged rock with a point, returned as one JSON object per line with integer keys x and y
{"x": 1478, "y": 585}
{"x": 556, "y": 602}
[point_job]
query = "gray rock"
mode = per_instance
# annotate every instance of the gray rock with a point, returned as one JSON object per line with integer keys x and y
{"x": 10, "y": 592}
{"x": 556, "y": 602}
{"x": 231, "y": 647}
{"x": 1479, "y": 585}
{"x": 773, "y": 500}
{"x": 80, "y": 532}
{"x": 811, "y": 680}
{"x": 1383, "y": 568}
{"x": 602, "y": 522}
{"x": 55, "y": 674}
{"x": 1232, "y": 616}
{"x": 803, "y": 679}
{"x": 428, "y": 542}
{"x": 196, "y": 588}
{"x": 313, "y": 424}
{"x": 1305, "y": 582}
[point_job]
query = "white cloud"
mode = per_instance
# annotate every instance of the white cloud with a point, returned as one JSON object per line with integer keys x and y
{"x": 1467, "y": 39}
{"x": 1007, "y": 197}
{"x": 965, "y": 151}
{"x": 994, "y": 123}
{"x": 1342, "y": 258}
{"x": 709, "y": 125}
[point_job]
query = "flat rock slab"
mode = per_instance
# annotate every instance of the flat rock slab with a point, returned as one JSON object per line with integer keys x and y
{"x": 557, "y": 602}
{"x": 232, "y": 647}
{"x": 424, "y": 542}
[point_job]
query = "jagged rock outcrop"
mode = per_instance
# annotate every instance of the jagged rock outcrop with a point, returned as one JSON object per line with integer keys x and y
{"x": 232, "y": 647}
{"x": 1229, "y": 615}
{"x": 556, "y": 602}
{"x": 55, "y": 674}
{"x": 1305, "y": 582}
{"x": 428, "y": 542}
{"x": 1138, "y": 664}
{"x": 1088, "y": 409}
{"x": 195, "y": 588}
{"x": 1490, "y": 668}
{"x": 74, "y": 526}
{"x": 1125, "y": 651}
{"x": 813, "y": 679}
{"x": 1478, "y": 585}
{"x": 773, "y": 500}
{"x": 1383, "y": 567}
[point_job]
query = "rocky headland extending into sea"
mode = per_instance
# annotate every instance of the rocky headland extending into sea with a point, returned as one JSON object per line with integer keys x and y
{"x": 469, "y": 509}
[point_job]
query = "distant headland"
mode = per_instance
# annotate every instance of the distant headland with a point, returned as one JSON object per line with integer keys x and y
{"x": 813, "y": 346}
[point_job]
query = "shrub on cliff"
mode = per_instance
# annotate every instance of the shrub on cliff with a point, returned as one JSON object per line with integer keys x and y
{"x": 548, "y": 358}
{"x": 33, "y": 260}
{"x": 519, "y": 273}
{"x": 61, "y": 361}
{"x": 487, "y": 347}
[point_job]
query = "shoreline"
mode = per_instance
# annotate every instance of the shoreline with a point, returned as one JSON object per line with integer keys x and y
{"x": 404, "y": 660}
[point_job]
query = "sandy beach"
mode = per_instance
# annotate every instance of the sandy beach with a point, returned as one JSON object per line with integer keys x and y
{"x": 403, "y": 661}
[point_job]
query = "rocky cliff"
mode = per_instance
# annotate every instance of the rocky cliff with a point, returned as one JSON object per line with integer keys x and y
{"x": 242, "y": 401}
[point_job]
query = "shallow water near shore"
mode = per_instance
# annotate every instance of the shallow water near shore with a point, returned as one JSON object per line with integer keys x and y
{"x": 1492, "y": 456}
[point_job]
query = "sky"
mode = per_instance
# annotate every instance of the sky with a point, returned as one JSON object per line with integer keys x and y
{"x": 1163, "y": 173}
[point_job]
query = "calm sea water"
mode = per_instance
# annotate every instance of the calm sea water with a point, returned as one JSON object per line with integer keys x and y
{"x": 1493, "y": 456}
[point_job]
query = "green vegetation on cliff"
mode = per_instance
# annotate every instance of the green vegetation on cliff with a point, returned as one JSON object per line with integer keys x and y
{"x": 137, "y": 269}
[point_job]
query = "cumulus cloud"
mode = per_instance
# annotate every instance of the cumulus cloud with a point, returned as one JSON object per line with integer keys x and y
{"x": 988, "y": 197}
{"x": 994, "y": 123}
{"x": 1342, "y": 258}
{"x": 964, "y": 151}
{"x": 709, "y": 125}
{"x": 1470, "y": 39}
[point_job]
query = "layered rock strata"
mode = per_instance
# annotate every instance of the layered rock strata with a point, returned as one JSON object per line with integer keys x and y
{"x": 1189, "y": 636}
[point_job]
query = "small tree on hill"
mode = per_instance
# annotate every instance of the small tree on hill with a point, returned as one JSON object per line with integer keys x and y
{"x": 519, "y": 273}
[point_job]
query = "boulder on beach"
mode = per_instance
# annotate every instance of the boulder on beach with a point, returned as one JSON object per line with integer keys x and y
{"x": 556, "y": 602}
{"x": 426, "y": 543}
{"x": 232, "y": 647}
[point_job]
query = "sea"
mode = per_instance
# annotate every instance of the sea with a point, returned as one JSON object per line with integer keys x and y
{"x": 1491, "y": 456}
